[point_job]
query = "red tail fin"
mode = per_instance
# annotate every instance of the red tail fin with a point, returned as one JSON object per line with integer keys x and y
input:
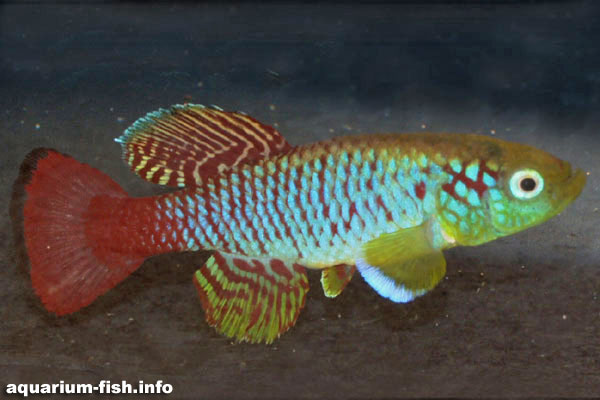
{"x": 49, "y": 208}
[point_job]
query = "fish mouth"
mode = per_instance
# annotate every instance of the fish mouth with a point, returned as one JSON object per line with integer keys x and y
{"x": 573, "y": 187}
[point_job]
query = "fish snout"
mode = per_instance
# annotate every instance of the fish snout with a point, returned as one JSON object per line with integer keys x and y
{"x": 570, "y": 187}
{"x": 576, "y": 182}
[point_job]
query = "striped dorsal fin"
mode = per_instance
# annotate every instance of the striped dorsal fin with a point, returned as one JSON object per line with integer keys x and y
{"x": 251, "y": 299}
{"x": 178, "y": 146}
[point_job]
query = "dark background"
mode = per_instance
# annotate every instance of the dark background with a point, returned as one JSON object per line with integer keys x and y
{"x": 518, "y": 316}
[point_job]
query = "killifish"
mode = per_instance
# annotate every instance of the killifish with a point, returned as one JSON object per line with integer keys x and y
{"x": 386, "y": 205}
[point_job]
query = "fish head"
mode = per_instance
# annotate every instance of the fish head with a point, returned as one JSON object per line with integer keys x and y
{"x": 496, "y": 188}
{"x": 532, "y": 186}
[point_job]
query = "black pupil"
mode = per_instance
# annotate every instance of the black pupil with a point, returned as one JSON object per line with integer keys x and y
{"x": 527, "y": 184}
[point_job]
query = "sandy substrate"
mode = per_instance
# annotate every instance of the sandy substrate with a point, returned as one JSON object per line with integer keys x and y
{"x": 518, "y": 316}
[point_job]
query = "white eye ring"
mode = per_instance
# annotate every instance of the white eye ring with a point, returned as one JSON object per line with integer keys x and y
{"x": 526, "y": 184}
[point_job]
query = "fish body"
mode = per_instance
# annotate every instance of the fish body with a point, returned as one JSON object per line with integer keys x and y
{"x": 387, "y": 204}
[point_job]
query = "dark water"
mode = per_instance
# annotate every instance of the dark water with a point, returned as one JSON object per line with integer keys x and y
{"x": 518, "y": 316}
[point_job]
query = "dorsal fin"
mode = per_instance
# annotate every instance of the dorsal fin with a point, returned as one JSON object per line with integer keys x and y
{"x": 178, "y": 146}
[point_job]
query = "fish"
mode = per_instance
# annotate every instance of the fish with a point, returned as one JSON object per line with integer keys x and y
{"x": 384, "y": 204}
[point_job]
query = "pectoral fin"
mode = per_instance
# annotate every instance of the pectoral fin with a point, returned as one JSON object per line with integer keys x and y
{"x": 402, "y": 265}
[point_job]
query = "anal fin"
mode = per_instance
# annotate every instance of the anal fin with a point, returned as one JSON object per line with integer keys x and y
{"x": 251, "y": 299}
{"x": 334, "y": 279}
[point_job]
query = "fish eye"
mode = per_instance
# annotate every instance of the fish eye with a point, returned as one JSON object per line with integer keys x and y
{"x": 526, "y": 184}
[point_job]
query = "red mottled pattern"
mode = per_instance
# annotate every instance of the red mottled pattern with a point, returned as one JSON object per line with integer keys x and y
{"x": 420, "y": 190}
{"x": 479, "y": 186}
